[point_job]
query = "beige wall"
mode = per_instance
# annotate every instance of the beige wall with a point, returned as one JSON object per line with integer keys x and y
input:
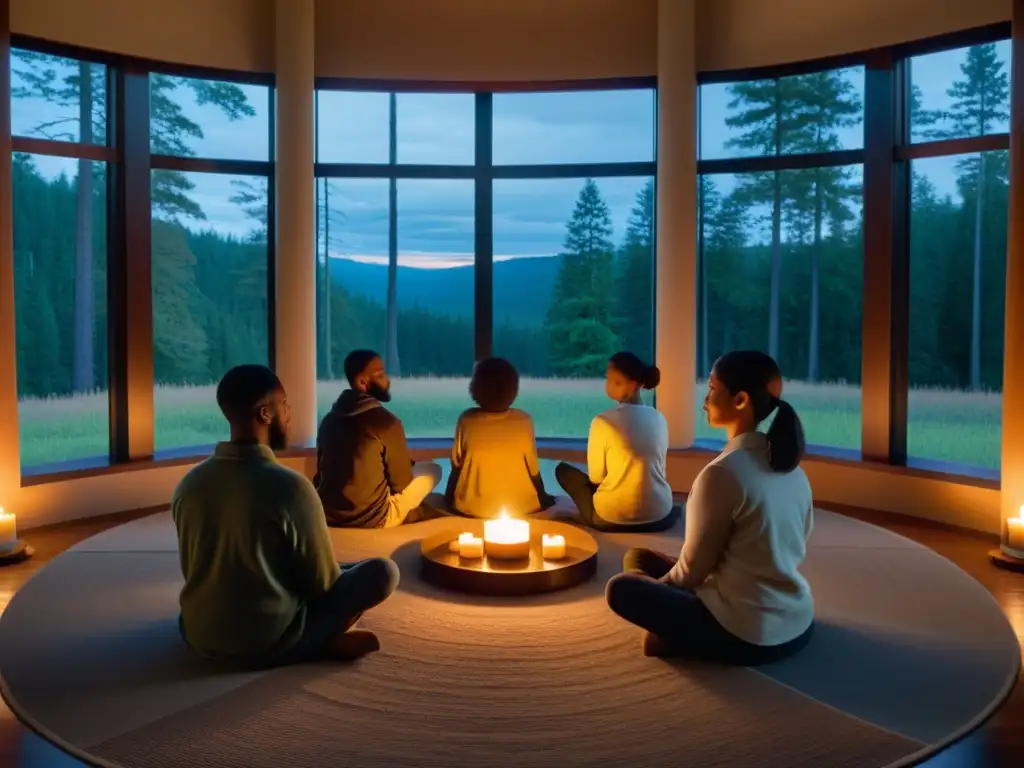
{"x": 734, "y": 34}
{"x": 494, "y": 40}
{"x": 486, "y": 40}
{"x": 230, "y": 34}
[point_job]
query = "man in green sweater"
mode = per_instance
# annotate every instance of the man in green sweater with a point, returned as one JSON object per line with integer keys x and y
{"x": 261, "y": 583}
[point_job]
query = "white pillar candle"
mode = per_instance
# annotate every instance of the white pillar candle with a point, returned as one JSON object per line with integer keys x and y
{"x": 470, "y": 546}
{"x": 8, "y": 531}
{"x": 1015, "y": 533}
{"x": 553, "y": 546}
{"x": 506, "y": 538}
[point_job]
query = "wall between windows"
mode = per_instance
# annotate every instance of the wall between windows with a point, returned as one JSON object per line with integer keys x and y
{"x": 230, "y": 34}
{"x": 497, "y": 40}
{"x": 737, "y": 34}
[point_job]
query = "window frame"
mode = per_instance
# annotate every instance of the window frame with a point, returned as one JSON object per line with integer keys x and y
{"x": 130, "y": 163}
{"x": 885, "y": 158}
{"x": 483, "y": 171}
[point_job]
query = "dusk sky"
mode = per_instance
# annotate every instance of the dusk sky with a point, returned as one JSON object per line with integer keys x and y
{"x": 435, "y": 218}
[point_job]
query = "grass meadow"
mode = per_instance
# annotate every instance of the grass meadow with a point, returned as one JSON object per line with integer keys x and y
{"x": 944, "y": 425}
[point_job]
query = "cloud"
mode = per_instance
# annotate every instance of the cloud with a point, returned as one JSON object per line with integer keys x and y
{"x": 436, "y": 218}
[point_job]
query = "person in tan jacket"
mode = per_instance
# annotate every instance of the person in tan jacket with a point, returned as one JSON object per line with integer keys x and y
{"x": 495, "y": 467}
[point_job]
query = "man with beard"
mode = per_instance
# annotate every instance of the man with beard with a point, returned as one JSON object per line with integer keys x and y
{"x": 364, "y": 476}
{"x": 262, "y": 586}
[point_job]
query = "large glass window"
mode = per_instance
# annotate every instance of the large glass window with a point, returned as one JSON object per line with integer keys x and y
{"x": 781, "y": 249}
{"x": 573, "y": 284}
{"x": 794, "y": 291}
{"x": 208, "y": 118}
{"x": 209, "y": 300}
{"x": 574, "y": 127}
{"x": 957, "y": 305}
{"x": 210, "y": 251}
{"x": 817, "y": 112}
{"x": 409, "y": 298}
{"x": 52, "y": 95}
{"x": 399, "y": 275}
{"x": 960, "y": 93}
{"x": 60, "y": 260}
{"x": 958, "y": 229}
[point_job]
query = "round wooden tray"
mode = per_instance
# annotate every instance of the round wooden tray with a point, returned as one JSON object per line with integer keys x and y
{"x": 490, "y": 576}
{"x": 1002, "y": 560}
{"x": 21, "y": 551}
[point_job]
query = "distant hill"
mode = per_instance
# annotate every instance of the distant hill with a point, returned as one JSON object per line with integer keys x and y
{"x": 522, "y": 287}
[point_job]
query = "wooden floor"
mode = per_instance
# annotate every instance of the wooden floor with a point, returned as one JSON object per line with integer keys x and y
{"x": 999, "y": 742}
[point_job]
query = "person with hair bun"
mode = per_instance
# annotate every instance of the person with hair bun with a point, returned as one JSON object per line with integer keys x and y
{"x": 624, "y": 487}
{"x": 735, "y": 593}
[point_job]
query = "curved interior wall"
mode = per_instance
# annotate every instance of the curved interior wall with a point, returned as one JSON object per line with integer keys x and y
{"x": 496, "y": 40}
{"x": 737, "y": 34}
{"x": 228, "y": 34}
{"x": 505, "y": 40}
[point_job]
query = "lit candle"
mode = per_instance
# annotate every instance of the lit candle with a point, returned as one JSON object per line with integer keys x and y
{"x": 1015, "y": 532}
{"x": 8, "y": 531}
{"x": 506, "y": 538}
{"x": 470, "y": 546}
{"x": 553, "y": 546}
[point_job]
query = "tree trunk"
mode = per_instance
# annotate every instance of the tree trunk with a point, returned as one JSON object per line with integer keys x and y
{"x": 773, "y": 290}
{"x": 776, "y": 274}
{"x": 328, "y": 345}
{"x": 83, "y": 371}
{"x": 391, "y": 360}
{"x": 979, "y": 207}
{"x": 812, "y": 349}
{"x": 703, "y": 292}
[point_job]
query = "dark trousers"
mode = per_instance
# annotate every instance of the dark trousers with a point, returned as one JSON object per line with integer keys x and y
{"x": 679, "y": 618}
{"x": 577, "y": 486}
{"x": 359, "y": 587}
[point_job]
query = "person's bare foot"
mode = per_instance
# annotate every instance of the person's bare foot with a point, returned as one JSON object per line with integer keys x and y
{"x": 352, "y": 645}
{"x": 654, "y": 646}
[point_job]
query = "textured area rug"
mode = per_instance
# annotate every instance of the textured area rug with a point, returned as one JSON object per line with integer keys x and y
{"x": 909, "y": 654}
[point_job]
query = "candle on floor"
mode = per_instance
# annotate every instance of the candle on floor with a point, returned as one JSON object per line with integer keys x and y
{"x": 506, "y": 538}
{"x": 470, "y": 546}
{"x": 1015, "y": 532}
{"x": 553, "y": 546}
{"x": 8, "y": 531}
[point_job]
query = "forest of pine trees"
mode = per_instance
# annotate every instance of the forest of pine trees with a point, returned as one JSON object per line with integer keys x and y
{"x": 780, "y": 254}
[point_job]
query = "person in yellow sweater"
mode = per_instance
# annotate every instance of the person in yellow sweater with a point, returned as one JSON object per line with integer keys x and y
{"x": 262, "y": 587}
{"x": 494, "y": 454}
{"x": 624, "y": 487}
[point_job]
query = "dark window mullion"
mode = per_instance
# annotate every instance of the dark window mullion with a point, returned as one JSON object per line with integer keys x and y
{"x": 483, "y": 214}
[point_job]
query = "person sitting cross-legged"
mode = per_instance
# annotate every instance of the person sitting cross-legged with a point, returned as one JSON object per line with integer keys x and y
{"x": 624, "y": 487}
{"x": 262, "y": 586}
{"x": 735, "y": 593}
{"x": 494, "y": 453}
{"x": 364, "y": 474}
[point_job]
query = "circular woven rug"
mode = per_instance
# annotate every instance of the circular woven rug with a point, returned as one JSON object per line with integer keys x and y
{"x": 909, "y": 654}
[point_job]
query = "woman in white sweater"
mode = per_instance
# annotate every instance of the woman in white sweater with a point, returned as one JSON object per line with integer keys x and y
{"x": 735, "y": 593}
{"x": 624, "y": 487}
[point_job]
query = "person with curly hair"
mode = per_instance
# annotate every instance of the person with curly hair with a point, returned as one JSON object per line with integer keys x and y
{"x": 494, "y": 455}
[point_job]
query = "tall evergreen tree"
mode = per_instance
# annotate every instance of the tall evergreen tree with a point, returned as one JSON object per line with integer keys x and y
{"x": 980, "y": 104}
{"x": 767, "y": 112}
{"x": 580, "y": 318}
{"x": 827, "y": 102}
{"x": 635, "y": 287}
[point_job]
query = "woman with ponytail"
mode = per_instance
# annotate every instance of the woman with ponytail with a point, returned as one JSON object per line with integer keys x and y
{"x": 624, "y": 487}
{"x": 735, "y": 593}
